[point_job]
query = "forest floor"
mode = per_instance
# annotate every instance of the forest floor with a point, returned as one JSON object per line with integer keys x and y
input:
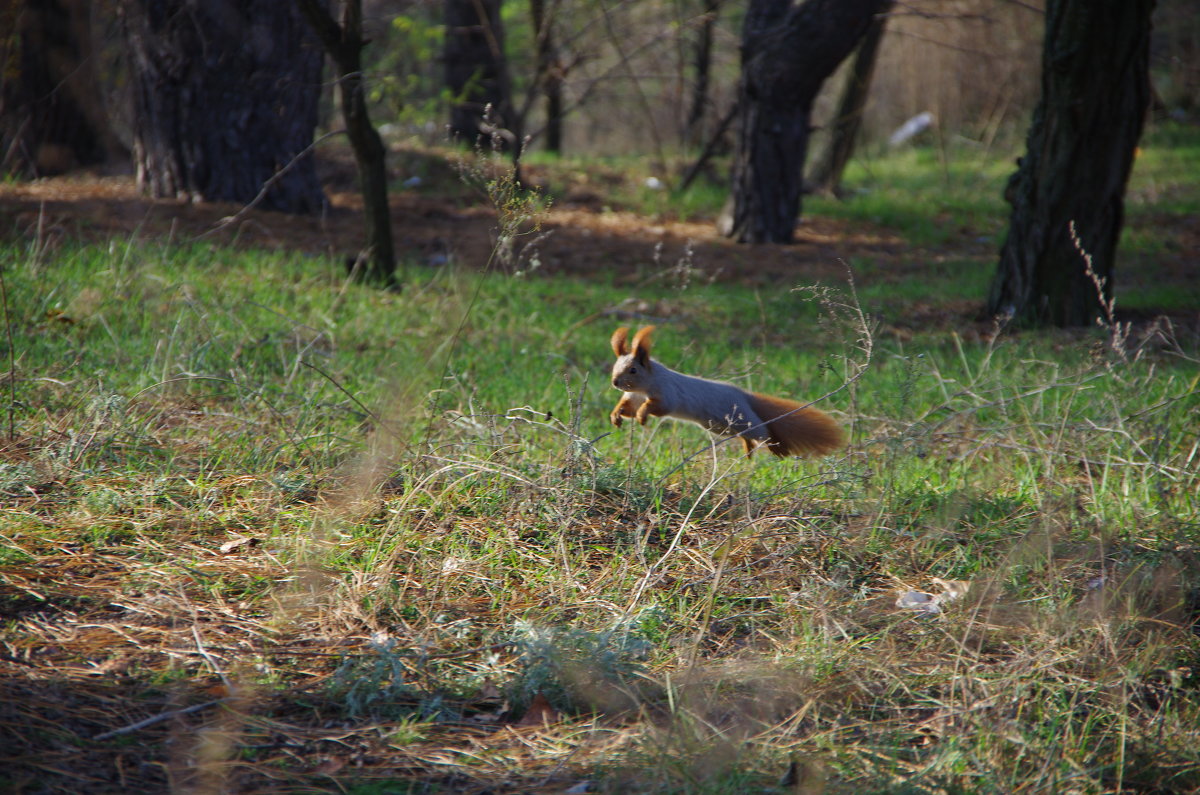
{"x": 580, "y": 238}
{"x": 217, "y": 575}
{"x": 581, "y": 234}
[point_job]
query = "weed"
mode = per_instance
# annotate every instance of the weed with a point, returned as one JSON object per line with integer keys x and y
{"x": 578, "y": 669}
{"x": 374, "y": 684}
{"x": 18, "y": 477}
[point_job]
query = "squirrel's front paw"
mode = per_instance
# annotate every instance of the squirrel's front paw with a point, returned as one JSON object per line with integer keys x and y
{"x": 615, "y": 417}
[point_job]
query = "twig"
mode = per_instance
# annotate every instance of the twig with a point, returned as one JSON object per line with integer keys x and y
{"x": 12, "y": 364}
{"x": 212, "y": 663}
{"x": 616, "y": 40}
{"x": 160, "y": 717}
{"x": 710, "y": 149}
{"x": 270, "y": 183}
{"x": 683, "y": 525}
{"x": 706, "y": 614}
{"x": 373, "y": 415}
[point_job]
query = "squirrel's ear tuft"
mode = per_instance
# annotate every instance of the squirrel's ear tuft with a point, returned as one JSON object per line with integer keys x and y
{"x": 641, "y": 345}
{"x": 618, "y": 341}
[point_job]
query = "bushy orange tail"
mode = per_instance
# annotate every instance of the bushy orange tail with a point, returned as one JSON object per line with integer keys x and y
{"x": 795, "y": 430}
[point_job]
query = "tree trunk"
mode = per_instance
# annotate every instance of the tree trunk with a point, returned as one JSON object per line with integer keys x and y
{"x": 1080, "y": 147}
{"x": 345, "y": 44}
{"x": 787, "y": 53}
{"x": 702, "y": 66}
{"x": 225, "y": 97}
{"x": 826, "y": 175}
{"x": 52, "y": 116}
{"x": 554, "y": 109}
{"x": 549, "y": 74}
{"x": 477, "y": 74}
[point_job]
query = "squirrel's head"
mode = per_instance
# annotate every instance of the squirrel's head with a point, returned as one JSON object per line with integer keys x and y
{"x": 633, "y": 362}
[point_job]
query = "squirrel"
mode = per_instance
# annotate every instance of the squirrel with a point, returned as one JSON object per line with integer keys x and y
{"x": 653, "y": 389}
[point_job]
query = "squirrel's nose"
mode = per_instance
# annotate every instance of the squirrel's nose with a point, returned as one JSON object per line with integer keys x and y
{"x": 617, "y": 385}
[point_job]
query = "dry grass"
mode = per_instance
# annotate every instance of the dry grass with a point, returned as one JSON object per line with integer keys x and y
{"x": 266, "y": 531}
{"x": 395, "y": 625}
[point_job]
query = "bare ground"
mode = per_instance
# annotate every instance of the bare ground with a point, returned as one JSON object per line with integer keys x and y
{"x": 579, "y": 236}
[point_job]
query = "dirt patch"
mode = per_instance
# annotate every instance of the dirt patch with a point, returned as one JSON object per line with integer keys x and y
{"x": 579, "y": 236}
{"x": 576, "y": 238}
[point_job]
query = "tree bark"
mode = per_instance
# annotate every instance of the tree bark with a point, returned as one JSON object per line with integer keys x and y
{"x": 52, "y": 116}
{"x": 345, "y": 43}
{"x": 549, "y": 74}
{"x": 477, "y": 74}
{"x": 787, "y": 53}
{"x": 701, "y": 66}
{"x": 1080, "y": 148}
{"x": 826, "y": 174}
{"x": 225, "y": 97}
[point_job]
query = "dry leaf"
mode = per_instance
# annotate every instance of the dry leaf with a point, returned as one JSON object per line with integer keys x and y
{"x": 484, "y": 718}
{"x": 539, "y": 713}
{"x": 112, "y": 664}
{"x": 235, "y": 543}
{"x": 330, "y": 766}
{"x": 488, "y": 691}
{"x": 951, "y": 589}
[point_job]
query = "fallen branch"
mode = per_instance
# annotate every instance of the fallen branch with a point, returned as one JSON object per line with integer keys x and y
{"x": 159, "y": 718}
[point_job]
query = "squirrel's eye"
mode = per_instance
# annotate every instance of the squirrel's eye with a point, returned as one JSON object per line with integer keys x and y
{"x": 632, "y": 370}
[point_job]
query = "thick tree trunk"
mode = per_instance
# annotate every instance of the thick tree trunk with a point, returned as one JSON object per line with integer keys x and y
{"x": 52, "y": 116}
{"x": 477, "y": 73}
{"x": 826, "y": 175}
{"x": 225, "y": 97}
{"x": 788, "y": 51}
{"x": 1095, "y": 94}
{"x": 345, "y": 44}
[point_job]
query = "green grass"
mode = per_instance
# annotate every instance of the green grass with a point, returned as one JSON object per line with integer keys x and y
{"x": 935, "y": 194}
{"x": 931, "y": 195}
{"x": 433, "y": 527}
{"x": 1164, "y": 172}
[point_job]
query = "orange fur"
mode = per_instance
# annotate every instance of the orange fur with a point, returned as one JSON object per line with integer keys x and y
{"x": 618, "y": 341}
{"x": 641, "y": 342}
{"x": 796, "y": 430}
